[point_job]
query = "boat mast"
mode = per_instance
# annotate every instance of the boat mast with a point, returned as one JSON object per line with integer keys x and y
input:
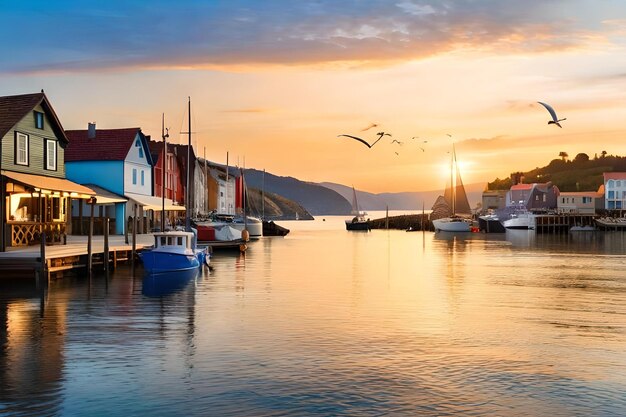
{"x": 452, "y": 182}
{"x": 164, "y": 135}
{"x": 263, "y": 197}
{"x": 187, "y": 217}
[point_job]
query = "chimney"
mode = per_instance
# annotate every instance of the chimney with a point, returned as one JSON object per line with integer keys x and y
{"x": 91, "y": 130}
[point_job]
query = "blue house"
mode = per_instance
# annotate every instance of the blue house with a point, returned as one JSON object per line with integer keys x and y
{"x": 118, "y": 163}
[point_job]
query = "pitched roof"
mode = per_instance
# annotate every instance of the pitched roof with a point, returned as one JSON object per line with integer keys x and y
{"x": 517, "y": 187}
{"x": 14, "y": 108}
{"x": 614, "y": 176}
{"x": 108, "y": 145}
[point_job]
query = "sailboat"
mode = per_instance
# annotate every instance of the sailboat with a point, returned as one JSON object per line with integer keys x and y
{"x": 358, "y": 222}
{"x": 456, "y": 200}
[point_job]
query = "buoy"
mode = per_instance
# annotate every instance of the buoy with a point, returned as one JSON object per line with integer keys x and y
{"x": 245, "y": 235}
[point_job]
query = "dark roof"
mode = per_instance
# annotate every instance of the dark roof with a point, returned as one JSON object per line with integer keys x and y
{"x": 14, "y": 108}
{"x": 108, "y": 145}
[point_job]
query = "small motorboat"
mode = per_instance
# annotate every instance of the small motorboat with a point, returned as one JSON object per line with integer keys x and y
{"x": 173, "y": 251}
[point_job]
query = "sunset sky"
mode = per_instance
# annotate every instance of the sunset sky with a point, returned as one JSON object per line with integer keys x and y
{"x": 274, "y": 82}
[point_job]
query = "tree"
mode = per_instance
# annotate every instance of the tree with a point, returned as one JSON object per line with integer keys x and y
{"x": 563, "y": 155}
{"x": 581, "y": 157}
{"x": 603, "y": 154}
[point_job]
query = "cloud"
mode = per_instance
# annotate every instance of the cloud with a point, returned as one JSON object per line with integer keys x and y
{"x": 161, "y": 34}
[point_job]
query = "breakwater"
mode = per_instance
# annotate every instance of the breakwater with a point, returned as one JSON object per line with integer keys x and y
{"x": 404, "y": 222}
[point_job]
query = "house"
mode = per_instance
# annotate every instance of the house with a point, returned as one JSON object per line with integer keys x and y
{"x": 493, "y": 200}
{"x": 119, "y": 161}
{"x": 221, "y": 190}
{"x": 196, "y": 177}
{"x": 583, "y": 202}
{"x": 615, "y": 190}
{"x": 174, "y": 188}
{"x": 534, "y": 197}
{"x": 35, "y": 194}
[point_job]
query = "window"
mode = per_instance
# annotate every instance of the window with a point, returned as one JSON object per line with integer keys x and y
{"x": 134, "y": 176}
{"x": 544, "y": 198}
{"x": 609, "y": 184}
{"x": 137, "y": 143}
{"x": 142, "y": 177}
{"x": 39, "y": 120}
{"x": 618, "y": 183}
{"x": 611, "y": 194}
{"x": 51, "y": 154}
{"x": 140, "y": 153}
{"x": 21, "y": 149}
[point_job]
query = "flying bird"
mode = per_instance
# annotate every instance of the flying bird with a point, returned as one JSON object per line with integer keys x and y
{"x": 415, "y": 137}
{"x": 397, "y": 153}
{"x": 398, "y": 142}
{"x": 555, "y": 120}
{"x": 449, "y": 135}
{"x": 369, "y": 127}
{"x": 363, "y": 141}
{"x": 422, "y": 149}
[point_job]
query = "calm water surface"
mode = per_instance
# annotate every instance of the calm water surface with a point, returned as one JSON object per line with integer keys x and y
{"x": 330, "y": 322}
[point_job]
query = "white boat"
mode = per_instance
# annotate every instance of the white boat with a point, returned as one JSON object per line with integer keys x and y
{"x": 521, "y": 219}
{"x": 358, "y": 222}
{"x": 456, "y": 200}
{"x": 254, "y": 226}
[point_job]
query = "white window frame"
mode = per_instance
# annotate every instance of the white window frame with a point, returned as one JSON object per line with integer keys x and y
{"x": 19, "y": 136}
{"x": 51, "y": 151}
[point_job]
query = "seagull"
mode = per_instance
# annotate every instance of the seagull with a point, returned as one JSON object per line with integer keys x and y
{"x": 363, "y": 141}
{"x": 369, "y": 127}
{"x": 449, "y": 135}
{"x": 422, "y": 149}
{"x": 555, "y": 120}
{"x": 415, "y": 137}
{"x": 398, "y": 142}
{"x": 397, "y": 153}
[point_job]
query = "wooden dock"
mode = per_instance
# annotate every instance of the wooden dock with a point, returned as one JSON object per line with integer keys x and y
{"x": 562, "y": 223}
{"x": 24, "y": 261}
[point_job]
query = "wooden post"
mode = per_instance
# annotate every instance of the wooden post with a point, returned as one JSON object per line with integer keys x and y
{"x": 134, "y": 247}
{"x": 42, "y": 253}
{"x": 387, "y": 218}
{"x": 80, "y": 217}
{"x": 106, "y": 245}
{"x": 92, "y": 203}
{"x": 2, "y": 208}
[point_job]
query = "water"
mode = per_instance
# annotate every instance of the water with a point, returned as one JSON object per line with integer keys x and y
{"x": 329, "y": 322}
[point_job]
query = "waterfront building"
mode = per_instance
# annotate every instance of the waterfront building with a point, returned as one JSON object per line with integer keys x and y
{"x": 221, "y": 190}
{"x": 583, "y": 202}
{"x": 119, "y": 161}
{"x": 534, "y": 197}
{"x": 174, "y": 188}
{"x": 493, "y": 200}
{"x": 35, "y": 193}
{"x": 615, "y": 190}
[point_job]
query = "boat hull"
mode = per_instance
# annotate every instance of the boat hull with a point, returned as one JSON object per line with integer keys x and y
{"x": 253, "y": 225}
{"x": 156, "y": 262}
{"x": 490, "y": 225}
{"x": 357, "y": 225}
{"x": 521, "y": 222}
{"x": 452, "y": 225}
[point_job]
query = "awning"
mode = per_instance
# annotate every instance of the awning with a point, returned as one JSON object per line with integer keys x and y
{"x": 154, "y": 203}
{"x": 50, "y": 184}
{"x": 104, "y": 196}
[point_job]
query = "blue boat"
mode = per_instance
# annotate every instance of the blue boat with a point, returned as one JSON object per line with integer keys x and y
{"x": 167, "y": 283}
{"x": 173, "y": 251}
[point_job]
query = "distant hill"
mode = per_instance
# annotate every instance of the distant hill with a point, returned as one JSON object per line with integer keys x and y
{"x": 580, "y": 174}
{"x": 404, "y": 200}
{"x": 315, "y": 198}
{"x": 276, "y": 207}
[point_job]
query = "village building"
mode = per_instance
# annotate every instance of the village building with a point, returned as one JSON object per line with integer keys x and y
{"x": 615, "y": 190}
{"x": 174, "y": 188}
{"x": 533, "y": 197}
{"x": 493, "y": 200}
{"x": 221, "y": 190}
{"x": 581, "y": 202}
{"x": 35, "y": 193}
{"x": 119, "y": 162}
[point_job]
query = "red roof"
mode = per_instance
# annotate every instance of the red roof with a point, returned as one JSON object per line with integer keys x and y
{"x": 521, "y": 187}
{"x": 108, "y": 145}
{"x": 614, "y": 176}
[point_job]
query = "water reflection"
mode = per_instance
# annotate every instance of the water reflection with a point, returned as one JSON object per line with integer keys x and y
{"x": 164, "y": 284}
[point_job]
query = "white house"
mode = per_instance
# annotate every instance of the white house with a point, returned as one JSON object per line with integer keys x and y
{"x": 615, "y": 190}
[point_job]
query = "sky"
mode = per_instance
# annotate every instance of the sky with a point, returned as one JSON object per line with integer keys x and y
{"x": 274, "y": 83}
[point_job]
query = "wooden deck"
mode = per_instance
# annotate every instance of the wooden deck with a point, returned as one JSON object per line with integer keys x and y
{"x": 26, "y": 260}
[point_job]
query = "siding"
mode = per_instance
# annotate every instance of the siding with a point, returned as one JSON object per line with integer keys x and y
{"x": 106, "y": 174}
{"x": 36, "y": 141}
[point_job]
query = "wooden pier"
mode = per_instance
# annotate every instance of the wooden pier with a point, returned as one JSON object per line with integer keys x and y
{"x": 562, "y": 223}
{"x": 27, "y": 261}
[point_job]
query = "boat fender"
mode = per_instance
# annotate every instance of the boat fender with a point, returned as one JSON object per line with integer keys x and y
{"x": 245, "y": 235}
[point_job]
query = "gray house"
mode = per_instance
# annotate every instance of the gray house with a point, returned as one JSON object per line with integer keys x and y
{"x": 34, "y": 192}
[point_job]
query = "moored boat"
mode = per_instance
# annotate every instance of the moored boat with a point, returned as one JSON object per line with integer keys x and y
{"x": 490, "y": 223}
{"x": 520, "y": 219}
{"x": 173, "y": 251}
{"x": 358, "y": 222}
{"x": 456, "y": 200}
